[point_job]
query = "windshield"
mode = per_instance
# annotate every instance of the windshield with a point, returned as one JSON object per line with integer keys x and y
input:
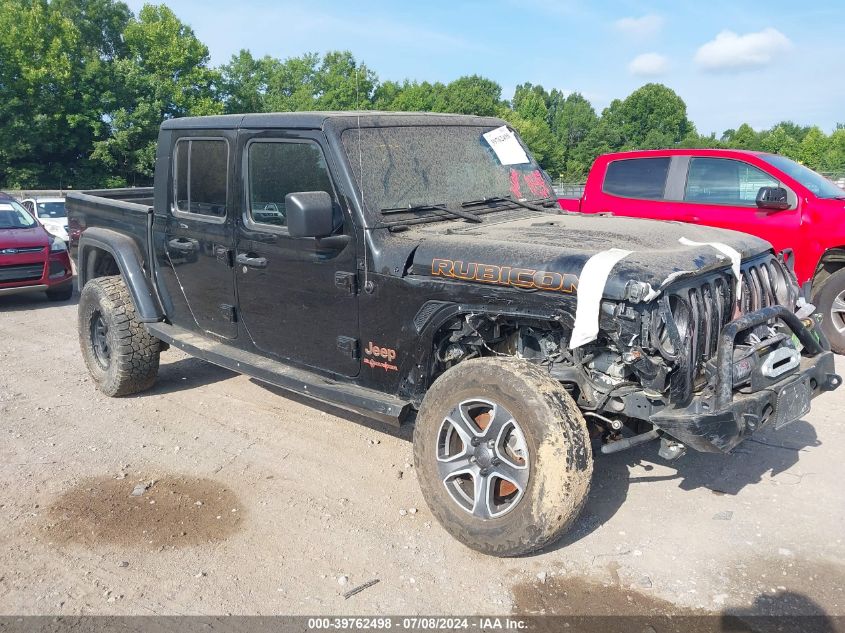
{"x": 52, "y": 209}
{"x": 402, "y": 167}
{"x": 818, "y": 184}
{"x": 14, "y": 216}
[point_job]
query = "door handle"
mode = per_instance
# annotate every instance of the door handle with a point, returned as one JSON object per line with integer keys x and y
{"x": 253, "y": 262}
{"x": 183, "y": 244}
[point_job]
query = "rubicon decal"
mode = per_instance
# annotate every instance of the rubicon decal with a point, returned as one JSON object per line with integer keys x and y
{"x": 387, "y": 354}
{"x": 505, "y": 275}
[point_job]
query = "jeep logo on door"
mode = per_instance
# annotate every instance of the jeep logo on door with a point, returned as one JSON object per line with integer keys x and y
{"x": 386, "y": 353}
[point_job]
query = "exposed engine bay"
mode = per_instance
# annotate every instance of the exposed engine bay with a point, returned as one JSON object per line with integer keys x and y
{"x": 653, "y": 357}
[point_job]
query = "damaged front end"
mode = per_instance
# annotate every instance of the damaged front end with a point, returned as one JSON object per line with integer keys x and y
{"x": 709, "y": 361}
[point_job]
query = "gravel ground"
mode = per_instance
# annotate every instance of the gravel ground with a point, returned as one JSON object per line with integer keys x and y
{"x": 248, "y": 501}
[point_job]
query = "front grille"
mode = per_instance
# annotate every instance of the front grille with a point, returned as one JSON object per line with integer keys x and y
{"x": 700, "y": 312}
{"x": 25, "y": 272}
{"x": 760, "y": 286}
{"x": 21, "y": 249}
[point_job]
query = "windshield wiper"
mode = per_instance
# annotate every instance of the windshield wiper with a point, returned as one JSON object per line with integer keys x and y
{"x": 511, "y": 199}
{"x": 472, "y": 217}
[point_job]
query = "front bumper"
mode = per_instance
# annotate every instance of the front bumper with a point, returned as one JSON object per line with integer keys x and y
{"x": 54, "y": 273}
{"x": 721, "y": 417}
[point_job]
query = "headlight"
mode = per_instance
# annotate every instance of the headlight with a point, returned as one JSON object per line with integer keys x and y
{"x": 57, "y": 245}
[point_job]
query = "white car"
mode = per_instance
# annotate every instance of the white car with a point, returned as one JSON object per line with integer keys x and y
{"x": 51, "y": 213}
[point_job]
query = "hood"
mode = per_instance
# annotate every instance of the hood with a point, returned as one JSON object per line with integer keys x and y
{"x": 16, "y": 238}
{"x": 561, "y": 245}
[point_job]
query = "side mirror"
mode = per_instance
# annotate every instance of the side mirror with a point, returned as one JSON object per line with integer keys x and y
{"x": 774, "y": 198}
{"x": 309, "y": 214}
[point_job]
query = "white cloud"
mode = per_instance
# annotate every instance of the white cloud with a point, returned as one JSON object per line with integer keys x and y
{"x": 648, "y": 65}
{"x": 730, "y": 51}
{"x": 642, "y": 27}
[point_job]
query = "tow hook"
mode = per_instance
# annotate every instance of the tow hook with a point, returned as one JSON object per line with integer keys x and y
{"x": 671, "y": 449}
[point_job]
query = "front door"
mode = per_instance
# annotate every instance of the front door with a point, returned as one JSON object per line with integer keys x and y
{"x": 297, "y": 296}
{"x": 722, "y": 192}
{"x": 199, "y": 237}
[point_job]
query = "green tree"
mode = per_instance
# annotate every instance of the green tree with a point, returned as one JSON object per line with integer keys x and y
{"x": 795, "y": 131}
{"x": 291, "y": 84}
{"x": 813, "y": 147}
{"x": 165, "y": 74}
{"x": 744, "y": 138}
{"x": 834, "y": 156}
{"x": 419, "y": 97}
{"x": 531, "y": 102}
{"x": 778, "y": 141}
{"x": 652, "y": 115}
{"x": 55, "y": 75}
{"x": 341, "y": 83}
{"x": 572, "y": 118}
{"x": 244, "y": 82}
{"x": 470, "y": 95}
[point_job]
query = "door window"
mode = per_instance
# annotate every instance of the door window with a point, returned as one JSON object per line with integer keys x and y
{"x": 643, "y": 178}
{"x": 277, "y": 168}
{"x": 725, "y": 181}
{"x": 200, "y": 180}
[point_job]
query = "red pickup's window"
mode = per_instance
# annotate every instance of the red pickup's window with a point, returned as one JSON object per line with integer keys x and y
{"x": 725, "y": 181}
{"x": 643, "y": 178}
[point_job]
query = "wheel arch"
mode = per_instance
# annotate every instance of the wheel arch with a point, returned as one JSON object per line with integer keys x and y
{"x": 435, "y": 317}
{"x": 832, "y": 260}
{"x": 104, "y": 252}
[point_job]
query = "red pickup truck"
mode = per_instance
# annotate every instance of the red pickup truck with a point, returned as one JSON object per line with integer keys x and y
{"x": 767, "y": 195}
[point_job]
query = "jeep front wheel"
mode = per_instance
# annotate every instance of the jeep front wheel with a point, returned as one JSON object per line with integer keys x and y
{"x": 120, "y": 353}
{"x": 502, "y": 455}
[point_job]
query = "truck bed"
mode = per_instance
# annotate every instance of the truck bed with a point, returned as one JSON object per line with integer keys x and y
{"x": 127, "y": 211}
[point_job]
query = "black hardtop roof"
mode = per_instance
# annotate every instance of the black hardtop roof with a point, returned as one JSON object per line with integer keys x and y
{"x": 318, "y": 120}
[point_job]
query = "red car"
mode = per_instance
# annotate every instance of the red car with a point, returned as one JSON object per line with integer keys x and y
{"x": 30, "y": 258}
{"x": 767, "y": 195}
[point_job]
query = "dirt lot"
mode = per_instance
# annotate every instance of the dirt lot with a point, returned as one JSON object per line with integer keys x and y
{"x": 262, "y": 504}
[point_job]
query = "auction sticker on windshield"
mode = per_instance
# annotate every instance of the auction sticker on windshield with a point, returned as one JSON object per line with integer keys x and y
{"x": 507, "y": 148}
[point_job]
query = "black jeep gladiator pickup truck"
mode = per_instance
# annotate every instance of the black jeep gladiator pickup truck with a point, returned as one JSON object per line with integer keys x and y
{"x": 418, "y": 266}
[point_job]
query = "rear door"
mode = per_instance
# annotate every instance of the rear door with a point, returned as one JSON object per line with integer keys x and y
{"x": 199, "y": 235}
{"x": 297, "y": 296}
{"x": 637, "y": 187}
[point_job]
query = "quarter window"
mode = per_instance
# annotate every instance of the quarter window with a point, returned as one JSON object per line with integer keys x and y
{"x": 276, "y": 169}
{"x": 725, "y": 181}
{"x": 643, "y": 178}
{"x": 201, "y": 177}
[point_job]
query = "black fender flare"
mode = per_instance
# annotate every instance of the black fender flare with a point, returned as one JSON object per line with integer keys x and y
{"x": 129, "y": 261}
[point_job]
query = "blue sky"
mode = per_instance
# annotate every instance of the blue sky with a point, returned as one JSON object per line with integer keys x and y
{"x": 731, "y": 61}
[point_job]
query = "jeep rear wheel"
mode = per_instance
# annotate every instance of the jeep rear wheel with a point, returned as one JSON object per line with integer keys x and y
{"x": 121, "y": 355}
{"x": 502, "y": 455}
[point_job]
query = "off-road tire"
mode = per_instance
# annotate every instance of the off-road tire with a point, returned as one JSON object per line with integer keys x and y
{"x": 132, "y": 363}
{"x": 559, "y": 454}
{"x": 62, "y": 294}
{"x": 824, "y": 298}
